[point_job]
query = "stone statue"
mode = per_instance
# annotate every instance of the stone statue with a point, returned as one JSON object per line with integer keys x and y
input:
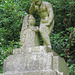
{"x": 45, "y": 12}
{"x": 29, "y": 37}
{"x": 32, "y": 59}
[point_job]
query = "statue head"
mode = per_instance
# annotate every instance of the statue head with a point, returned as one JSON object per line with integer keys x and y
{"x": 37, "y": 2}
{"x": 31, "y": 20}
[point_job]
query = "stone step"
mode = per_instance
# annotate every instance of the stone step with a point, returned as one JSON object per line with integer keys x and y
{"x": 49, "y": 72}
{"x": 37, "y": 49}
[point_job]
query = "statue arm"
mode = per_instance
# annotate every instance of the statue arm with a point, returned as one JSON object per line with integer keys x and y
{"x": 35, "y": 28}
{"x": 32, "y": 8}
{"x": 50, "y": 13}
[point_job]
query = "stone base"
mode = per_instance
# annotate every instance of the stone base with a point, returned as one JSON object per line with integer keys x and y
{"x": 39, "y": 60}
{"x": 34, "y": 73}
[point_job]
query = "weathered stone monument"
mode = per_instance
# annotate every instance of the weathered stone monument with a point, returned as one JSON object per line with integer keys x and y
{"x": 31, "y": 58}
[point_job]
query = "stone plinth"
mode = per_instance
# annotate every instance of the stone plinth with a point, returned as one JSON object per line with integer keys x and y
{"x": 28, "y": 62}
{"x": 40, "y": 60}
{"x": 30, "y": 59}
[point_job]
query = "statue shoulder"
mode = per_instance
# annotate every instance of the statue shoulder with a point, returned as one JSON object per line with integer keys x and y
{"x": 47, "y": 3}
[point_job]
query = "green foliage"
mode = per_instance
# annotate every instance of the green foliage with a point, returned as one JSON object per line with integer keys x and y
{"x": 60, "y": 40}
{"x": 11, "y": 17}
{"x": 12, "y": 13}
{"x": 72, "y": 69}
